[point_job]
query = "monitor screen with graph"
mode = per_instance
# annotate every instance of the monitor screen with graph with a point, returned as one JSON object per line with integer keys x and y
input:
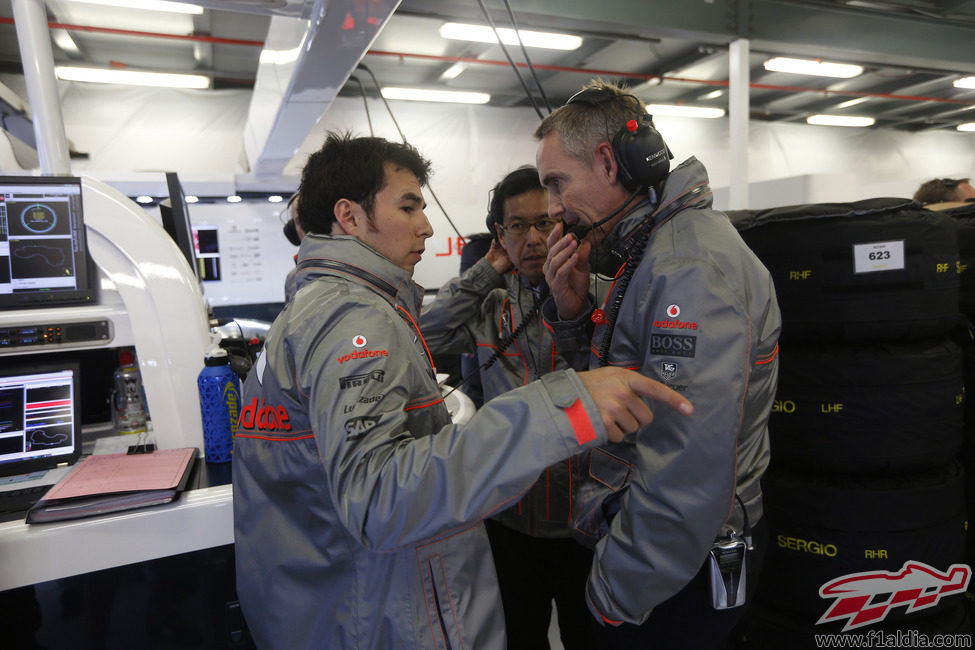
{"x": 40, "y": 414}
{"x": 44, "y": 257}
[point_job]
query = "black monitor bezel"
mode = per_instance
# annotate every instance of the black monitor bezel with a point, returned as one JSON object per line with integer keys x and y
{"x": 87, "y": 291}
{"x": 175, "y": 215}
{"x": 38, "y": 365}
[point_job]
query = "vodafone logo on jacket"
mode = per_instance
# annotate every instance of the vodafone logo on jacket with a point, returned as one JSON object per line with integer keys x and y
{"x": 264, "y": 417}
{"x": 363, "y": 354}
{"x": 673, "y": 311}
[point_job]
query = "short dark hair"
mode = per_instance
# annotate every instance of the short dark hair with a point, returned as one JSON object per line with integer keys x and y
{"x": 348, "y": 167}
{"x": 939, "y": 190}
{"x": 524, "y": 179}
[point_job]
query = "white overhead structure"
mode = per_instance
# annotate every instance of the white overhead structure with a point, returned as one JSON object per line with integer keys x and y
{"x": 35, "y": 51}
{"x": 738, "y": 115}
{"x": 305, "y": 63}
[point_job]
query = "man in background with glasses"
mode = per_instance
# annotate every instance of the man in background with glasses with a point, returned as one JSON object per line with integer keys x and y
{"x": 492, "y": 309}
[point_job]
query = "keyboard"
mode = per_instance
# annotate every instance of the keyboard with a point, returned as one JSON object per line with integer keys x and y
{"x": 21, "y": 499}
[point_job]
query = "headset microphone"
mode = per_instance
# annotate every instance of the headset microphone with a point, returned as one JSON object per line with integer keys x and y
{"x": 579, "y": 231}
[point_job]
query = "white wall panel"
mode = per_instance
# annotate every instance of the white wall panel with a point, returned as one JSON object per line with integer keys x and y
{"x": 198, "y": 134}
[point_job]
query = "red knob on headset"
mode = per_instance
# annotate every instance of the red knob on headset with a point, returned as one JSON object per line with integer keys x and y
{"x": 632, "y": 126}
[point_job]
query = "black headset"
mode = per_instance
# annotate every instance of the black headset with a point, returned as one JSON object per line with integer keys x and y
{"x": 290, "y": 230}
{"x": 642, "y": 156}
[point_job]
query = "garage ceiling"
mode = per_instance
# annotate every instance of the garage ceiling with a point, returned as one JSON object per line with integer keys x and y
{"x": 670, "y": 51}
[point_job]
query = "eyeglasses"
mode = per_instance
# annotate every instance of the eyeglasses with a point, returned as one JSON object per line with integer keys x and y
{"x": 950, "y": 183}
{"x": 519, "y": 229}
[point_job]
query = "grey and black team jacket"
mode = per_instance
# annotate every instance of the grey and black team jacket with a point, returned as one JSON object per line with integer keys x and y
{"x": 475, "y": 313}
{"x": 356, "y": 502}
{"x": 699, "y": 315}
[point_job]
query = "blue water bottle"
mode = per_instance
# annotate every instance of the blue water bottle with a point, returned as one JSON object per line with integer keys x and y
{"x": 219, "y": 405}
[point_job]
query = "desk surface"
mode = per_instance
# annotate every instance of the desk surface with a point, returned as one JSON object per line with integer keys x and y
{"x": 201, "y": 518}
{"x": 35, "y": 553}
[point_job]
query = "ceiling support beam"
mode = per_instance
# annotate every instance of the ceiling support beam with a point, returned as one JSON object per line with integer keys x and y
{"x": 303, "y": 66}
{"x": 738, "y": 115}
{"x": 34, "y": 40}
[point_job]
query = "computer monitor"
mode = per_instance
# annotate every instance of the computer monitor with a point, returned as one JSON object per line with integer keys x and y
{"x": 40, "y": 414}
{"x": 175, "y": 215}
{"x": 44, "y": 257}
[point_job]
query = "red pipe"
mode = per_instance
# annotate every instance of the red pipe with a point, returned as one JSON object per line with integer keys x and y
{"x": 555, "y": 68}
{"x": 647, "y": 77}
{"x": 131, "y": 32}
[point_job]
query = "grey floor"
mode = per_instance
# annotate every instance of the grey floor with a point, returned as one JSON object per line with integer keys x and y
{"x": 553, "y": 632}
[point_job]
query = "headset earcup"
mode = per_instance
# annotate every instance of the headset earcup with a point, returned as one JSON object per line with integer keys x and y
{"x": 642, "y": 156}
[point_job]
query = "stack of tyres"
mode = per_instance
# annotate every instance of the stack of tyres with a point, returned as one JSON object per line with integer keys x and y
{"x": 864, "y": 495}
{"x": 964, "y": 219}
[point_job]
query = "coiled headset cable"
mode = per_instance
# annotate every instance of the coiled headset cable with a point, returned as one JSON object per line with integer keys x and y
{"x": 633, "y": 249}
{"x": 505, "y": 343}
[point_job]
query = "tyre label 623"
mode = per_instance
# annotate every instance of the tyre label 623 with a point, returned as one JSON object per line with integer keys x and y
{"x": 878, "y": 256}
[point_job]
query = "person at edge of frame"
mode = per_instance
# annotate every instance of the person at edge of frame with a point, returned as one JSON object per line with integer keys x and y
{"x": 295, "y": 234}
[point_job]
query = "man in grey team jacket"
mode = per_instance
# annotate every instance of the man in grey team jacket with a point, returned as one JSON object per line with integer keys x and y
{"x": 536, "y": 558}
{"x": 685, "y": 301}
{"x": 356, "y": 502}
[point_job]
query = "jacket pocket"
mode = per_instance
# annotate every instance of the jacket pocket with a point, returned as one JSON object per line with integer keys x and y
{"x": 608, "y": 469}
{"x": 597, "y": 491}
{"x": 443, "y": 621}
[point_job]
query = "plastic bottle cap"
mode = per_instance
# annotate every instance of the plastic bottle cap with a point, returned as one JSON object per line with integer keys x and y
{"x": 216, "y": 357}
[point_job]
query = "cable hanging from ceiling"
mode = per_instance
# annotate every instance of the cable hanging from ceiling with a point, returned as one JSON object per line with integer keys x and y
{"x": 514, "y": 67}
{"x": 433, "y": 194}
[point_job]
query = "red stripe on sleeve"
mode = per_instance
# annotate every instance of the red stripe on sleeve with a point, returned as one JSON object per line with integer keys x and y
{"x": 581, "y": 426}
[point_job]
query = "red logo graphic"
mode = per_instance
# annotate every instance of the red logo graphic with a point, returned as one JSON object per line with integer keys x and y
{"x": 673, "y": 311}
{"x": 916, "y": 585}
{"x": 675, "y": 324}
{"x": 265, "y": 417}
{"x": 363, "y": 354}
{"x": 359, "y": 341}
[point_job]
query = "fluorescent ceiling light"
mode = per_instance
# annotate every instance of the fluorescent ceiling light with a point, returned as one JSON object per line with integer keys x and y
{"x": 192, "y": 199}
{"x": 714, "y": 94}
{"x": 680, "y": 110}
{"x": 967, "y": 126}
{"x": 132, "y": 77}
{"x": 451, "y": 96}
{"x": 275, "y": 198}
{"x": 965, "y": 82}
{"x": 151, "y": 5}
{"x": 852, "y": 102}
{"x": 813, "y": 67}
{"x": 839, "y": 120}
{"x": 144, "y": 198}
{"x": 233, "y": 198}
{"x": 63, "y": 40}
{"x": 454, "y": 71}
{"x": 279, "y": 57}
{"x": 484, "y": 34}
